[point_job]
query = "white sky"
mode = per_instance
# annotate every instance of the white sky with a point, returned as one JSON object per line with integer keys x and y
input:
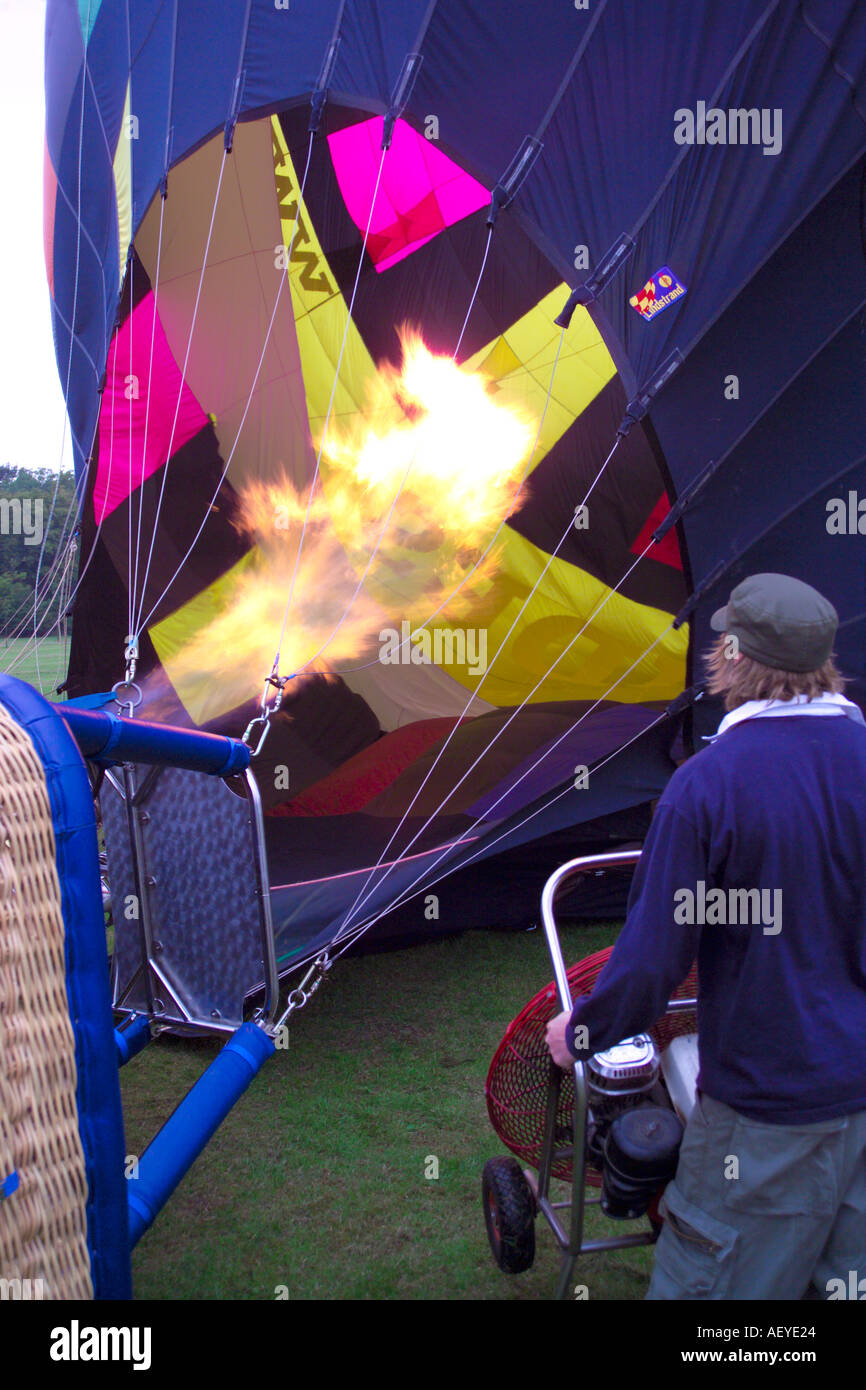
{"x": 32, "y": 413}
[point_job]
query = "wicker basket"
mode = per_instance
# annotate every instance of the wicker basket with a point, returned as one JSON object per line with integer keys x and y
{"x": 43, "y": 1228}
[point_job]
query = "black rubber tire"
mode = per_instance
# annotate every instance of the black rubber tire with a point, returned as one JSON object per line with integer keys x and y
{"x": 509, "y": 1214}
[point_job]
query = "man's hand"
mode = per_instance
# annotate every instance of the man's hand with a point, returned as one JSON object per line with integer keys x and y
{"x": 555, "y": 1038}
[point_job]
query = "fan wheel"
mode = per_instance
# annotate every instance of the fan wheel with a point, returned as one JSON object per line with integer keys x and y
{"x": 509, "y": 1213}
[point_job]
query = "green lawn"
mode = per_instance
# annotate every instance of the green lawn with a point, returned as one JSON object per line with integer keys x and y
{"x": 45, "y": 668}
{"x": 316, "y": 1180}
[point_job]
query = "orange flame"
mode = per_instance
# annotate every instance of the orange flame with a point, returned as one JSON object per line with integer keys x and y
{"x": 431, "y": 436}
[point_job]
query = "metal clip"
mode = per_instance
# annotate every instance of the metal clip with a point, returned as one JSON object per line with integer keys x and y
{"x": 279, "y": 683}
{"x": 262, "y": 719}
{"x": 301, "y": 994}
{"x": 130, "y": 655}
{"x": 128, "y": 701}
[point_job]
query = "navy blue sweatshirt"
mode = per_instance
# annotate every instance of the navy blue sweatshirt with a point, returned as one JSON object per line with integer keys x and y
{"x": 776, "y": 804}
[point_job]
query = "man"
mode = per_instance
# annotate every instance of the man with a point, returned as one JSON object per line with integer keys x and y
{"x": 770, "y": 1191}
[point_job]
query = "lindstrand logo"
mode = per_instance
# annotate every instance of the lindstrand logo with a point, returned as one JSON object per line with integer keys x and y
{"x": 659, "y": 292}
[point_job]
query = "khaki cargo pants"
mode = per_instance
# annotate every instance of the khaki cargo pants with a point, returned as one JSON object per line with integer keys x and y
{"x": 763, "y": 1210}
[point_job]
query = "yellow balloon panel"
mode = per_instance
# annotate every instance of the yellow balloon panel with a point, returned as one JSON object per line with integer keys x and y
{"x": 586, "y": 665}
{"x": 521, "y": 364}
{"x": 202, "y": 697}
{"x": 518, "y": 364}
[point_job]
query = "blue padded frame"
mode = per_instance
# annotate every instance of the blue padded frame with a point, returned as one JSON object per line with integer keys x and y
{"x": 100, "y": 1118}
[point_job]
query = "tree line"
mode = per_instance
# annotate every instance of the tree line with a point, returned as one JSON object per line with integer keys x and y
{"x": 25, "y": 535}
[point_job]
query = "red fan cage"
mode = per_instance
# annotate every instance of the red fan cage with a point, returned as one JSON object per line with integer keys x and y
{"x": 516, "y": 1087}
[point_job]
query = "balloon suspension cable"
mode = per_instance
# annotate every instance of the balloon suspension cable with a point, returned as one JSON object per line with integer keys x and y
{"x": 366, "y": 889}
{"x": 77, "y": 499}
{"x": 350, "y": 310}
{"x": 64, "y": 562}
{"x": 496, "y": 534}
{"x": 228, "y": 138}
{"x": 488, "y": 844}
{"x": 407, "y": 894}
{"x": 64, "y": 589}
{"x": 147, "y": 415}
{"x": 71, "y": 353}
{"x": 143, "y": 622}
{"x": 64, "y": 547}
{"x": 474, "y": 292}
{"x": 136, "y": 623}
{"x": 635, "y": 411}
{"x": 53, "y": 585}
{"x": 526, "y": 773}
{"x": 130, "y": 586}
{"x": 75, "y": 506}
{"x": 386, "y": 523}
{"x": 366, "y": 892}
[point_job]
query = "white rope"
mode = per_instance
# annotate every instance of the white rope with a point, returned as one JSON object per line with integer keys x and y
{"x": 79, "y": 487}
{"x": 76, "y": 506}
{"x": 348, "y": 671}
{"x": 516, "y": 711}
{"x": 330, "y": 408}
{"x": 47, "y": 582}
{"x": 37, "y": 639}
{"x": 360, "y": 584}
{"x": 475, "y": 291}
{"x": 65, "y": 549}
{"x": 129, "y": 591}
{"x": 143, "y": 622}
{"x": 488, "y": 844}
{"x": 130, "y": 262}
{"x": 136, "y": 619}
{"x": 62, "y": 609}
{"x": 131, "y": 629}
{"x": 71, "y": 335}
{"x": 474, "y": 694}
{"x": 47, "y": 603}
{"x": 407, "y": 892}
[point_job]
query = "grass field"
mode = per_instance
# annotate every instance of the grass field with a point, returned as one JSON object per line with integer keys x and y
{"x": 315, "y": 1187}
{"x": 316, "y": 1182}
{"x": 45, "y": 669}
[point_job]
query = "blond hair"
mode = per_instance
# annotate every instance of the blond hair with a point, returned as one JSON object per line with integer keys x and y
{"x": 744, "y": 679}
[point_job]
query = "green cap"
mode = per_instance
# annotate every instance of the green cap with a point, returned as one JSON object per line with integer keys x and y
{"x": 780, "y": 621}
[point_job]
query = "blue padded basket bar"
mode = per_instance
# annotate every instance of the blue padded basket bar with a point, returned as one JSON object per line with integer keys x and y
{"x": 108, "y": 738}
{"x": 172, "y": 1152}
